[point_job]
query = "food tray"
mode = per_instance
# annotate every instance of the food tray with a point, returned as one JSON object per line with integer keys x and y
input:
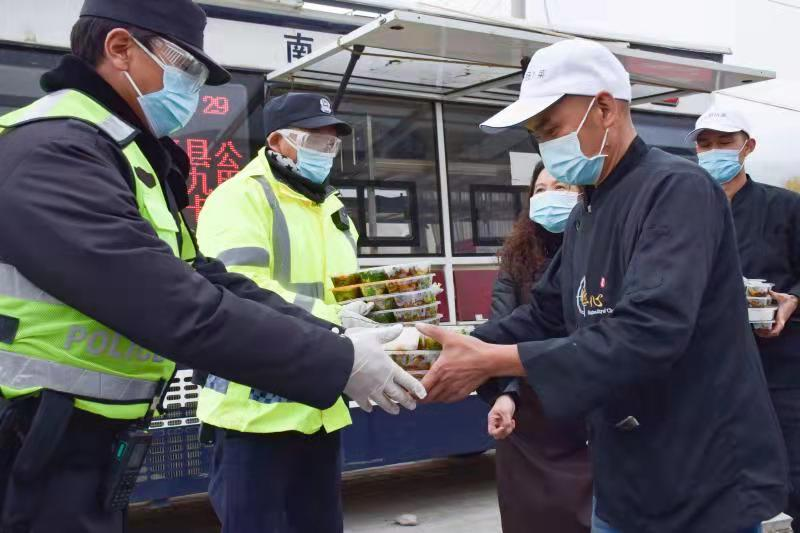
{"x": 767, "y": 324}
{"x": 415, "y": 360}
{"x": 756, "y": 302}
{"x": 408, "y": 314}
{"x": 384, "y": 302}
{"x": 433, "y": 321}
{"x": 761, "y": 314}
{"x": 757, "y": 288}
{"x": 377, "y": 288}
{"x": 383, "y": 273}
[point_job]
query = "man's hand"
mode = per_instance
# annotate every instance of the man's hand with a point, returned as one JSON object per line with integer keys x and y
{"x": 787, "y": 305}
{"x": 354, "y": 315}
{"x": 375, "y": 376}
{"x": 465, "y": 363}
{"x": 501, "y": 417}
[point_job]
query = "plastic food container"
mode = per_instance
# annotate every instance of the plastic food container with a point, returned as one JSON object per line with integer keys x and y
{"x": 408, "y": 314}
{"x": 761, "y": 314}
{"x": 427, "y": 343}
{"x": 434, "y": 321}
{"x": 343, "y": 280}
{"x": 415, "y": 283}
{"x": 343, "y": 294}
{"x": 758, "y": 302}
{"x": 757, "y": 288}
{"x": 386, "y": 302}
{"x": 372, "y": 275}
{"x": 763, "y": 325}
{"x": 415, "y": 360}
{"x": 408, "y": 270}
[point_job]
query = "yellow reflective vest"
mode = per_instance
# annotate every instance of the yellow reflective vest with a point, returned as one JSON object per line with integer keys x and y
{"x": 56, "y": 346}
{"x": 262, "y": 228}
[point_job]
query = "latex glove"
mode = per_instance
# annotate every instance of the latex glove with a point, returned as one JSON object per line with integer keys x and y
{"x": 375, "y": 376}
{"x": 353, "y": 315}
{"x": 501, "y": 417}
{"x": 787, "y": 305}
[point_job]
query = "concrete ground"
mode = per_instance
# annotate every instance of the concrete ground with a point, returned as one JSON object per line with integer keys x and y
{"x": 448, "y": 495}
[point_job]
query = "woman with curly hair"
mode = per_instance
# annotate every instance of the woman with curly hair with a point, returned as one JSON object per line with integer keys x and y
{"x": 544, "y": 479}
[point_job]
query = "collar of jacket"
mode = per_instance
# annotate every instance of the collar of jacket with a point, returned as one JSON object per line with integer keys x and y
{"x": 635, "y": 153}
{"x": 168, "y": 160}
{"x": 330, "y": 204}
{"x": 311, "y": 191}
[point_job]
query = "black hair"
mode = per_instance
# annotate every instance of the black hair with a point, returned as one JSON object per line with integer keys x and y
{"x": 88, "y": 37}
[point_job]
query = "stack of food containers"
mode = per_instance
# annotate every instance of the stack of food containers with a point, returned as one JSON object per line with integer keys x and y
{"x": 399, "y": 293}
{"x": 760, "y": 306}
{"x": 402, "y": 294}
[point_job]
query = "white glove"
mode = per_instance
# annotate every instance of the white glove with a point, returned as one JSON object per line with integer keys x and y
{"x": 353, "y": 315}
{"x": 375, "y": 376}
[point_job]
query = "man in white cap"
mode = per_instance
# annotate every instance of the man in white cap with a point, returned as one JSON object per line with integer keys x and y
{"x": 767, "y": 221}
{"x": 640, "y": 323}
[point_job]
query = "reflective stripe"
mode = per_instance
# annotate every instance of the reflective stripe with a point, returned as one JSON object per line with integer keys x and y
{"x": 15, "y": 285}
{"x": 312, "y": 290}
{"x": 352, "y": 241}
{"x": 42, "y": 106}
{"x": 304, "y": 302}
{"x": 245, "y": 256}
{"x": 21, "y": 372}
{"x": 266, "y": 397}
{"x": 117, "y": 129}
{"x": 281, "y": 244}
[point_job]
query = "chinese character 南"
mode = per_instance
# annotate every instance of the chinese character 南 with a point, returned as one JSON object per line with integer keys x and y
{"x": 228, "y": 158}
{"x": 297, "y": 46}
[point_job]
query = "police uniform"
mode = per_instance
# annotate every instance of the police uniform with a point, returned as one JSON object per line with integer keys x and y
{"x": 640, "y": 325}
{"x": 102, "y": 290}
{"x": 277, "y": 463}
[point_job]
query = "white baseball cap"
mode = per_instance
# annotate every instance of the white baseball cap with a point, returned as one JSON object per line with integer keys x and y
{"x": 572, "y": 66}
{"x": 718, "y": 118}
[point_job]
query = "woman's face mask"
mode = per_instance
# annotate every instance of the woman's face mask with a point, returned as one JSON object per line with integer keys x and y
{"x": 551, "y": 209}
{"x": 565, "y": 160}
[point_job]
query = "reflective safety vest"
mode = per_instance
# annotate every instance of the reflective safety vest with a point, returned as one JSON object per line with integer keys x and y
{"x": 50, "y": 345}
{"x": 262, "y": 228}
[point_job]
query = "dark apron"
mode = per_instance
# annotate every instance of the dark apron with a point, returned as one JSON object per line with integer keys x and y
{"x": 544, "y": 479}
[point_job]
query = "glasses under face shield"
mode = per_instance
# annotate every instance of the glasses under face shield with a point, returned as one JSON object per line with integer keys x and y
{"x": 165, "y": 54}
{"x": 318, "y": 142}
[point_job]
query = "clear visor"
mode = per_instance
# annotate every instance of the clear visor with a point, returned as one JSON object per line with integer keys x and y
{"x": 318, "y": 142}
{"x": 165, "y": 53}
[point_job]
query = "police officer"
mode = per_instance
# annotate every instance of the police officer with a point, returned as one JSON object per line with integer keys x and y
{"x": 102, "y": 289}
{"x": 640, "y": 323}
{"x": 767, "y": 221}
{"x": 277, "y": 463}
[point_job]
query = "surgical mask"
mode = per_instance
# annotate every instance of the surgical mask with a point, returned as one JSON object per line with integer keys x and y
{"x": 314, "y": 166}
{"x": 551, "y": 209}
{"x": 723, "y": 165}
{"x": 564, "y": 158}
{"x": 171, "y": 108}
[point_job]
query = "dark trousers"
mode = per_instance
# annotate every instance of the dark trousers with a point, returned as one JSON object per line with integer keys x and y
{"x": 786, "y": 402}
{"x": 277, "y": 483}
{"x": 65, "y": 496}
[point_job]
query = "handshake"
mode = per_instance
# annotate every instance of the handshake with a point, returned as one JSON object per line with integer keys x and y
{"x": 464, "y": 364}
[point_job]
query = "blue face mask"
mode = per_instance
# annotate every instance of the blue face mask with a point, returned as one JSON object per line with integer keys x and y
{"x": 551, "y": 209}
{"x": 314, "y": 166}
{"x": 564, "y": 158}
{"x": 171, "y": 108}
{"x": 723, "y": 165}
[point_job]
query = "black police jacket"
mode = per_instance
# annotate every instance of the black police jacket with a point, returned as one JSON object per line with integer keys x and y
{"x": 767, "y": 221}
{"x": 70, "y": 224}
{"x": 640, "y": 325}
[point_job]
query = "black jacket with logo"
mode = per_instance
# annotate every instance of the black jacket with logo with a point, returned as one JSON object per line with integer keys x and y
{"x": 640, "y": 325}
{"x": 71, "y": 225}
{"x": 767, "y": 223}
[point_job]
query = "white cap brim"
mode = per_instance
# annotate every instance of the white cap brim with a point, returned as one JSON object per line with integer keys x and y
{"x": 692, "y": 136}
{"x": 518, "y": 112}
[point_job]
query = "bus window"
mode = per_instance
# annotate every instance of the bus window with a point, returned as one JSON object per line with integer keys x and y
{"x": 486, "y": 193}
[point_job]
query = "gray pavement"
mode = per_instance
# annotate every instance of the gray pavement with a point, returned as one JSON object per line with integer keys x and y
{"x": 450, "y": 495}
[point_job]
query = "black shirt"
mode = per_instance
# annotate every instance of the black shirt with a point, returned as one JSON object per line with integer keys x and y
{"x": 767, "y": 223}
{"x": 71, "y": 225}
{"x": 640, "y": 325}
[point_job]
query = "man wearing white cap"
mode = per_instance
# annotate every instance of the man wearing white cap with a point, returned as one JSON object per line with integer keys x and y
{"x": 639, "y": 324}
{"x": 767, "y": 221}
